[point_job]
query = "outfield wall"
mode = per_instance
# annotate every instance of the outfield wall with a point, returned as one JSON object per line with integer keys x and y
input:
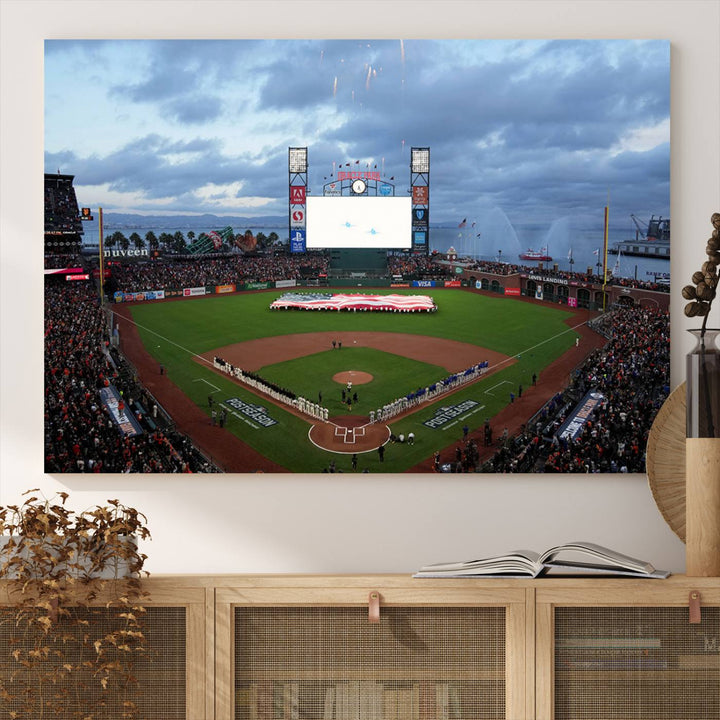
{"x": 575, "y": 294}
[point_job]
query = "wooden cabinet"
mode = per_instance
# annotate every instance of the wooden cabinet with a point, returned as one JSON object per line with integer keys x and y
{"x": 305, "y": 648}
{"x": 172, "y": 674}
{"x": 627, "y": 650}
{"x": 292, "y": 646}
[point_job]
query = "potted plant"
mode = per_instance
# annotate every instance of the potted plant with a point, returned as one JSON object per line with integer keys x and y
{"x": 71, "y": 609}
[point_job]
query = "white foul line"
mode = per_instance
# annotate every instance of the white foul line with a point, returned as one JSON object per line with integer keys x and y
{"x": 217, "y": 389}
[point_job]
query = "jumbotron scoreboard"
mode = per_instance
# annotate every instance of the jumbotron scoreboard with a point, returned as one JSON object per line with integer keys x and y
{"x": 359, "y": 209}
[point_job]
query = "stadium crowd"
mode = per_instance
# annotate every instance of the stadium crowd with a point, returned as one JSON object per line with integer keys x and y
{"x": 227, "y": 270}
{"x": 56, "y": 261}
{"x": 80, "y": 435}
{"x": 61, "y": 208}
{"x": 632, "y": 371}
{"x": 497, "y": 268}
{"x": 419, "y": 267}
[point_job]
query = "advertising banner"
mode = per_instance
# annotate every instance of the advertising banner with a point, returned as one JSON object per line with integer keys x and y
{"x": 255, "y": 286}
{"x": 64, "y": 271}
{"x": 358, "y": 174}
{"x": 548, "y": 279}
{"x": 572, "y": 302}
{"x": 453, "y": 283}
{"x": 420, "y": 194}
{"x": 512, "y": 291}
{"x": 297, "y": 216}
{"x": 285, "y": 283}
{"x": 420, "y": 217}
{"x": 130, "y": 252}
{"x": 423, "y": 283}
{"x": 420, "y": 237}
{"x": 191, "y": 292}
{"x": 297, "y": 240}
{"x": 126, "y": 422}
{"x": 83, "y": 276}
{"x": 297, "y": 194}
{"x": 220, "y": 289}
{"x": 119, "y": 296}
{"x": 332, "y": 189}
{"x": 539, "y": 294}
{"x": 577, "y": 419}
{"x": 385, "y": 189}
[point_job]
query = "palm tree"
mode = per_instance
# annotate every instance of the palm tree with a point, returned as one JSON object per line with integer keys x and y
{"x": 121, "y": 240}
{"x": 152, "y": 241}
{"x": 137, "y": 241}
{"x": 178, "y": 242}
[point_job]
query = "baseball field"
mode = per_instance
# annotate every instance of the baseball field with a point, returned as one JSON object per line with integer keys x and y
{"x": 315, "y": 354}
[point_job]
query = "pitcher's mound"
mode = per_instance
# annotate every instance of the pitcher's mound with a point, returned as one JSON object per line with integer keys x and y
{"x": 356, "y": 377}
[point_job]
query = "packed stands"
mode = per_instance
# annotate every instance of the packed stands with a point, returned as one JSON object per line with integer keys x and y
{"x": 172, "y": 272}
{"x": 80, "y": 364}
{"x": 63, "y": 227}
{"x": 632, "y": 372}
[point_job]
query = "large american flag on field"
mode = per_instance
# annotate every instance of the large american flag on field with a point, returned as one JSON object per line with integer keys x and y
{"x": 356, "y": 301}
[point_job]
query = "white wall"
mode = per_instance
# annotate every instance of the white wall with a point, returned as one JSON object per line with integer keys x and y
{"x": 339, "y": 523}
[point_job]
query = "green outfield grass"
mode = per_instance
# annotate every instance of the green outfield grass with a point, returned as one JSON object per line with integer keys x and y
{"x": 174, "y": 332}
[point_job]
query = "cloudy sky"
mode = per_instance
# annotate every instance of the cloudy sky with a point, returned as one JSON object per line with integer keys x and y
{"x": 542, "y": 130}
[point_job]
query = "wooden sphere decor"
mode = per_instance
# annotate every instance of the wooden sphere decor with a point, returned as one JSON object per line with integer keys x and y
{"x": 665, "y": 460}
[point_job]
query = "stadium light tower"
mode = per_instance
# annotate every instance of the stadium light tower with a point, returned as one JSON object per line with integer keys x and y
{"x": 297, "y": 198}
{"x": 420, "y": 192}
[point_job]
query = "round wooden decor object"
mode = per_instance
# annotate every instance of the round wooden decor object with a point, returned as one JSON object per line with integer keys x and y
{"x": 665, "y": 460}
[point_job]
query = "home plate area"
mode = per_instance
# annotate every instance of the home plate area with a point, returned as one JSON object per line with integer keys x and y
{"x": 348, "y": 435}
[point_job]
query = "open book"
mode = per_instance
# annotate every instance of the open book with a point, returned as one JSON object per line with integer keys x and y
{"x": 575, "y": 558}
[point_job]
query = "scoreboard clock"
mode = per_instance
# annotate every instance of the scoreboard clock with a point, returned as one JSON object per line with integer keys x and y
{"x": 359, "y": 187}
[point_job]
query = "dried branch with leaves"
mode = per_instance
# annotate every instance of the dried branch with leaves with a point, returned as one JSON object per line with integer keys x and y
{"x": 71, "y": 610}
{"x": 702, "y": 293}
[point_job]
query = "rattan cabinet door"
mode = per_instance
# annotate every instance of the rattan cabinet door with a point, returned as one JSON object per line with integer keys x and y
{"x": 636, "y": 662}
{"x": 326, "y": 661}
{"x": 329, "y": 663}
{"x": 627, "y": 655}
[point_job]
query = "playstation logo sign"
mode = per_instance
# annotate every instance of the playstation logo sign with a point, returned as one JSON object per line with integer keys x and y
{"x": 297, "y": 241}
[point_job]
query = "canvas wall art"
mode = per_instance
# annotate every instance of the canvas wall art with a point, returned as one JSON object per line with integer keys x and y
{"x": 355, "y": 256}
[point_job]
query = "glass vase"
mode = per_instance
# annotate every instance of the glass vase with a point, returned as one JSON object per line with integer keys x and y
{"x": 703, "y": 386}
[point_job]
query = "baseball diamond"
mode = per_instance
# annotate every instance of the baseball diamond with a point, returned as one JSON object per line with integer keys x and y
{"x": 521, "y": 339}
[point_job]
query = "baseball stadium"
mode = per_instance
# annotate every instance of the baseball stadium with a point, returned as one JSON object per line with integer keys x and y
{"x": 350, "y": 347}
